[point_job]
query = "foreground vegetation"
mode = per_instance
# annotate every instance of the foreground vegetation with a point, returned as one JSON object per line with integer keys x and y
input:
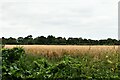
{"x": 17, "y": 65}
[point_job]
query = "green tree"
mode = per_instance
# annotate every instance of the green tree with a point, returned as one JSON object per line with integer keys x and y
{"x": 40, "y": 40}
{"x": 11, "y": 41}
{"x": 20, "y": 40}
{"x": 51, "y": 39}
{"x": 28, "y": 40}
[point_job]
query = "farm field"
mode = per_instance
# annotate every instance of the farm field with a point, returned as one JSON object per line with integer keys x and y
{"x": 65, "y": 62}
{"x": 70, "y": 49}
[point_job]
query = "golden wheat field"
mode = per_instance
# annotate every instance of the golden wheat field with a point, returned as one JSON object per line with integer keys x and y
{"x": 69, "y": 49}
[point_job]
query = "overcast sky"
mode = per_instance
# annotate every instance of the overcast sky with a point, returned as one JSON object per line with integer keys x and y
{"x": 94, "y": 19}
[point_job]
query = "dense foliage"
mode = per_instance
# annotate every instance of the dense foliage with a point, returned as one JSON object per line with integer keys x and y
{"x": 51, "y": 40}
{"x": 16, "y": 65}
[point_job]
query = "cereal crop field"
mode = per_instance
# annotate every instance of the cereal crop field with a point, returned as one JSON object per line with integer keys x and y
{"x": 71, "y": 49}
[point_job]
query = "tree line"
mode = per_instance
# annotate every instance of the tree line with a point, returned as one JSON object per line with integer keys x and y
{"x": 52, "y": 40}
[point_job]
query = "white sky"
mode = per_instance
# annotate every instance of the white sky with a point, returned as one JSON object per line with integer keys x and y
{"x": 94, "y": 19}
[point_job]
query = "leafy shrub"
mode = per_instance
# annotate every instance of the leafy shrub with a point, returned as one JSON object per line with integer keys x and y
{"x": 11, "y": 55}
